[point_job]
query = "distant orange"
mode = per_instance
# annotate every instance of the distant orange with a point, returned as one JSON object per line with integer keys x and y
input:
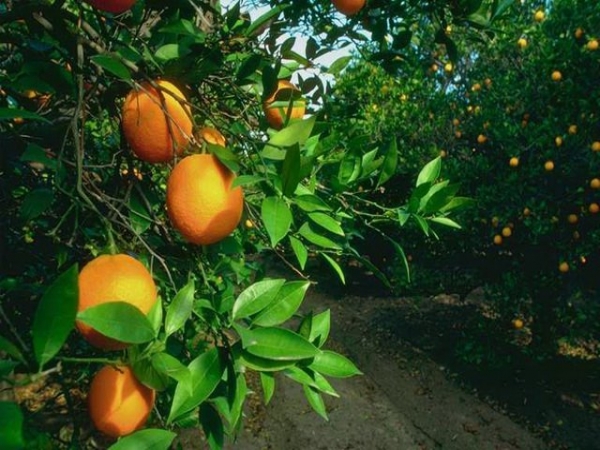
{"x": 112, "y": 6}
{"x": 277, "y": 106}
{"x": 348, "y": 7}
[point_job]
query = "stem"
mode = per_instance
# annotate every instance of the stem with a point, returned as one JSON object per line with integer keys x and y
{"x": 70, "y": 359}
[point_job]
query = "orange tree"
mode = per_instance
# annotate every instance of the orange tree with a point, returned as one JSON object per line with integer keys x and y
{"x": 141, "y": 188}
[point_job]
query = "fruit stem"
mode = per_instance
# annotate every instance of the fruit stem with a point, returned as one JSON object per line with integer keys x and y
{"x": 69, "y": 359}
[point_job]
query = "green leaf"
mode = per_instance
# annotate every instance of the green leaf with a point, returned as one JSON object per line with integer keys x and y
{"x": 446, "y": 222}
{"x": 11, "y": 349}
{"x": 335, "y": 266}
{"x": 14, "y": 113}
{"x": 259, "y": 364}
{"x": 6, "y": 367}
{"x": 11, "y": 426}
{"x": 120, "y": 321}
{"x": 457, "y": 202}
{"x": 183, "y": 27}
{"x": 296, "y": 132}
{"x": 246, "y": 180}
{"x": 149, "y": 439}
{"x": 423, "y": 224}
{"x": 327, "y": 222}
{"x": 256, "y": 297}
{"x": 148, "y": 375}
{"x": 286, "y": 303}
{"x": 299, "y": 250}
{"x": 36, "y": 203}
{"x": 318, "y": 328}
{"x": 180, "y": 309}
{"x": 55, "y": 316}
{"x": 290, "y": 171}
{"x": 212, "y": 426}
{"x": 278, "y": 344}
{"x": 35, "y": 153}
{"x": 155, "y": 316}
{"x": 276, "y": 217}
{"x": 112, "y": 65}
{"x": 390, "y": 162}
{"x": 237, "y": 396}
{"x": 264, "y": 19}
{"x": 311, "y": 236}
{"x": 338, "y": 65}
{"x": 334, "y": 365}
{"x": 311, "y": 378}
{"x": 267, "y": 381}
{"x": 173, "y": 368}
{"x": 502, "y": 6}
{"x": 430, "y": 171}
{"x": 311, "y": 203}
{"x": 315, "y": 399}
{"x": 206, "y": 371}
{"x": 171, "y": 51}
{"x": 138, "y": 214}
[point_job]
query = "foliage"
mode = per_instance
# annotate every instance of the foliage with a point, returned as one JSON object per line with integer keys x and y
{"x": 72, "y": 190}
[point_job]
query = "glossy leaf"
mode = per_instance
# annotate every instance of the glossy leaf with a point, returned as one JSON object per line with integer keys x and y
{"x": 11, "y": 426}
{"x": 120, "y": 321}
{"x": 276, "y": 217}
{"x": 112, "y": 65}
{"x": 155, "y": 316}
{"x": 36, "y": 203}
{"x": 307, "y": 232}
{"x": 138, "y": 214}
{"x": 290, "y": 171}
{"x": 180, "y": 309}
{"x": 279, "y": 344}
{"x": 212, "y": 426}
{"x": 315, "y": 399}
{"x": 14, "y": 113}
{"x": 149, "y": 439}
{"x": 267, "y": 381}
{"x": 55, "y": 316}
{"x": 300, "y": 251}
{"x": 288, "y": 300}
{"x": 390, "y": 162}
{"x": 11, "y": 349}
{"x": 311, "y": 203}
{"x": 296, "y": 132}
{"x": 327, "y": 222}
{"x": 336, "y": 267}
{"x": 446, "y": 222}
{"x": 256, "y": 297}
{"x": 335, "y": 365}
{"x": 430, "y": 171}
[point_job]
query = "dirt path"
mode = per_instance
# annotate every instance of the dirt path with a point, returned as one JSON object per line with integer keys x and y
{"x": 403, "y": 401}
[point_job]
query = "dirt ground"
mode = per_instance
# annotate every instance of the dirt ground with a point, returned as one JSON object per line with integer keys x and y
{"x": 416, "y": 394}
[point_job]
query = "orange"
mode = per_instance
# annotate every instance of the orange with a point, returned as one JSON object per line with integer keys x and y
{"x": 578, "y": 33}
{"x": 595, "y": 183}
{"x": 482, "y": 138}
{"x": 594, "y": 208}
{"x": 563, "y": 267}
{"x": 549, "y": 166}
{"x": 522, "y": 43}
{"x": 348, "y": 7}
{"x": 455, "y": 122}
{"x": 495, "y": 221}
{"x": 514, "y": 161}
{"x": 556, "y": 75}
{"x": 592, "y": 45}
{"x": 117, "y": 402}
{"x": 518, "y": 324}
{"x": 596, "y": 146}
{"x": 558, "y": 141}
{"x": 112, "y": 6}
{"x": 200, "y": 202}
{"x": 111, "y": 278}
{"x": 476, "y": 87}
{"x": 156, "y": 125}
{"x": 497, "y": 239}
{"x": 539, "y": 16}
{"x": 211, "y": 136}
{"x": 488, "y": 82}
{"x": 572, "y": 129}
{"x": 276, "y": 115}
{"x": 506, "y": 232}
{"x": 448, "y": 67}
{"x": 572, "y": 218}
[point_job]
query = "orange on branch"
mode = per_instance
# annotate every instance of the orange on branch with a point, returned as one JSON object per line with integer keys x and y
{"x": 201, "y": 204}
{"x": 277, "y": 107}
{"x": 348, "y": 7}
{"x": 157, "y": 123}
{"x": 112, "y": 6}
{"x": 117, "y": 402}
{"x": 211, "y": 136}
{"x": 112, "y": 278}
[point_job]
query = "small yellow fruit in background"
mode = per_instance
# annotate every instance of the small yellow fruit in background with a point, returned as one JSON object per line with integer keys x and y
{"x": 572, "y": 218}
{"x": 455, "y": 122}
{"x": 576, "y": 235}
{"x": 482, "y": 138}
{"x": 448, "y": 67}
{"x": 549, "y": 166}
{"x": 539, "y": 16}
{"x": 596, "y": 146}
{"x": 514, "y": 161}
{"x": 518, "y": 324}
{"x": 522, "y": 43}
{"x": 249, "y": 223}
{"x": 476, "y": 87}
{"x": 488, "y": 82}
{"x": 498, "y": 239}
{"x": 594, "y": 208}
{"x": 558, "y": 141}
{"x": 572, "y": 129}
{"x": 595, "y": 183}
{"x": 563, "y": 267}
{"x": 506, "y": 232}
{"x": 592, "y": 45}
{"x": 526, "y": 212}
{"x": 458, "y": 134}
{"x": 495, "y": 221}
{"x": 578, "y": 33}
{"x": 556, "y": 75}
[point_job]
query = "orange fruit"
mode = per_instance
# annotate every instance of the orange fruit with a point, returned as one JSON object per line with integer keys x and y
{"x": 592, "y": 45}
{"x": 558, "y": 141}
{"x": 506, "y": 232}
{"x": 514, "y": 161}
{"x": 578, "y": 33}
{"x": 277, "y": 107}
{"x": 155, "y": 124}
{"x": 117, "y": 402}
{"x": 448, "y": 67}
{"x": 595, "y": 183}
{"x": 455, "y": 122}
{"x": 526, "y": 212}
{"x": 549, "y": 166}
{"x": 348, "y": 7}
{"x": 522, "y": 43}
{"x": 572, "y": 129}
{"x": 594, "y": 208}
{"x": 482, "y": 138}
{"x": 111, "y": 278}
{"x": 518, "y": 324}
{"x": 112, "y": 6}
{"x": 596, "y": 146}
{"x": 563, "y": 267}
{"x": 495, "y": 221}
{"x": 556, "y": 75}
{"x": 572, "y": 218}
{"x": 539, "y": 16}
{"x": 488, "y": 82}
{"x": 497, "y": 239}
{"x": 200, "y": 202}
{"x": 211, "y": 136}
{"x": 476, "y": 87}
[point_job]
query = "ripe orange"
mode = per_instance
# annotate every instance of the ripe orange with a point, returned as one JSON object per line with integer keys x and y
{"x": 117, "y": 402}
{"x": 526, "y": 212}
{"x": 488, "y": 82}
{"x": 112, "y": 6}
{"x": 276, "y": 115}
{"x": 549, "y": 166}
{"x": 539, "y": 16}
{"x": 522, "y": 43}
{"x": 596, "y": 146}
{"x": 497, "y": 239}
{"x": 110, "y": 278}
{"x": 592, "y": 45}
{"x": 482, "y": 138}
{"x": 578, "y": 33}
{"x": 595, "y": 183}
{"x": 506, "y": 232}
{"x": 200, "y": 202}
{"x": 556, "y": 75}
{"x": 495, "y": 221}
{"x": 455, "y": 122}
{"x": 448, "y": 67}
{"x": 476, "y": 87}
{"x": 572, "y": 218}
{"x": 211, "y": 136}
{"x": 594, "y": 208}
{"x": 558, "y": 141}
{"x": 156, "y": 125}
{"x": 348, "y": 7}
{"x": 514, "y": 161}
{"x": 572, "y": 129}
{"x": 563, "y": 267}
{"x": 518, "y": 324}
